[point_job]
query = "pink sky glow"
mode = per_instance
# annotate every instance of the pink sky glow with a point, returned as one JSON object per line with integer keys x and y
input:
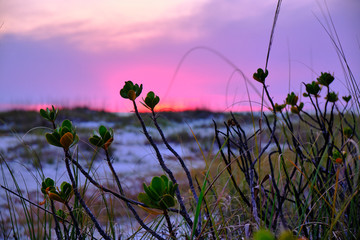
{"x": 69, "y": 53}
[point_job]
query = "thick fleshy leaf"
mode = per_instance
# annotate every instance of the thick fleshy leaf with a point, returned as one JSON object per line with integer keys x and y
{"x": 96, "y": 141}
{"x": 138, "y": 89}
{"x": 44, "y": 114}
{"x": 165, "y": 179}
{"x": 151, "y": 193}
{"x": 67, "y": 123}
{"x": 158, "y": 185}
{"x": 107, "y": 136}
{"x": 260, "y": 75}
{"x": 51, "y": 139}
{"x": 64, "y": 130}
{"x": 325, "y": 79}
{"x": 102, "y": 131}
{"x": 66, "y": 140}
{"x": 56, "y": 197}
{"x": 313, "y": 88}
{"x": 144, "y": 198}
{"x": 66, "y": 191}
{"x": 167, "y": 201}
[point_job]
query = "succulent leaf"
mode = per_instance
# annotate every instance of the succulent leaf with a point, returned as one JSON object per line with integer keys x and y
{"x": 291, "y": 99}
{"x": 325, "y": 79}
{"x": 56, "y": 197}
{"x": 312, "y": 88}
{"x": 260, "y": 75}
{"x": 158, "y": 185}
{"x": 52, "y": 139}
{"x": 346, "y": 98}
{"x": 131, "y": 91}
{"x": 66, "y": 140}
{"x": 167, "y": 201}
{"x": 160, "y": 193}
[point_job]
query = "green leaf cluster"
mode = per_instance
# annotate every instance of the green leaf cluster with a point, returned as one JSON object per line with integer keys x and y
{"x": 332, "y": 97}
{"x": 63, "y": 195}
{"x": 63, "y": 136}
{"x": 346, "y": 98}
{"x": 151, "y": 100}
{"x": 103, "y": 138}
{"x": 312, "y": 89}
{"x": 325, "y": 79}
{"x": 131, "y": 91}
{"x": 260, "y": 75}
{"x": 279, "y": 107}
{"x": 291, "y": 99}
{"x": 49, "y": 114}
{"x": 159, "y": 194}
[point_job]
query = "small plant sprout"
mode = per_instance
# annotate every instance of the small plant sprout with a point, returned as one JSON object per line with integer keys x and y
{"x": 50, "y": 114}
{"x": 151, "y": 101}
{"x": 63, "y": 195}
{"x": 63, "y": 136}
{"x": 292, "y": 99}
{"x": 131, "y": 91}
{"x": 325, "y": 79}
{"x": 332, "y": 97}
{"x": 260, "y": 75}
{"x": 346, "y": 98}
{"x": 312, "y": 89}
{"x": 103, "y": 138}
{"x": 159, "y": 194}
{"x": 279, "y": 107}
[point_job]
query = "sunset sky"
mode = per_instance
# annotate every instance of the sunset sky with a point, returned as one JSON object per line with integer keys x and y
{"x": 81, "y": 52}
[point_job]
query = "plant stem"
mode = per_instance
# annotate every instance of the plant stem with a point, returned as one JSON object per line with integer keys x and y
{"x": 183, "y": 211}
{"x": 57, "y": 227}
{"x": 136, "y": 215}
{"x": 186, "y": 170}
{"x": 171, "y": 231}
{"x": 77, "y": 194}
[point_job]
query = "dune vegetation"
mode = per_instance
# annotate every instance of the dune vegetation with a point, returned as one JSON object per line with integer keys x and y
{"x": 294, "y": 175}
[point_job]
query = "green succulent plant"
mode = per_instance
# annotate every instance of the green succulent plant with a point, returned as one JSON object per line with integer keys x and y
{"x": 63, "y": 136}
{"x": 297, "y": 108}
{"x": 312, "y": 89}
{"x": 346, "y": 98}
{"x": 279, "y": 107}
{"x": 151, "y": 100}
{"x": 260, "y": 75}
{"x": 103, "y": 138}
{"x": 49, "y": 114}
{"x": 332, "y": 97}
{"x": 49, "y": 190}
{"x": 47, "y": 185}
{"x": 291, "y": 99}
{"x": 131, "y": 91}
{"x": 159, "y": 194}
{"x": 325, "y": 79}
